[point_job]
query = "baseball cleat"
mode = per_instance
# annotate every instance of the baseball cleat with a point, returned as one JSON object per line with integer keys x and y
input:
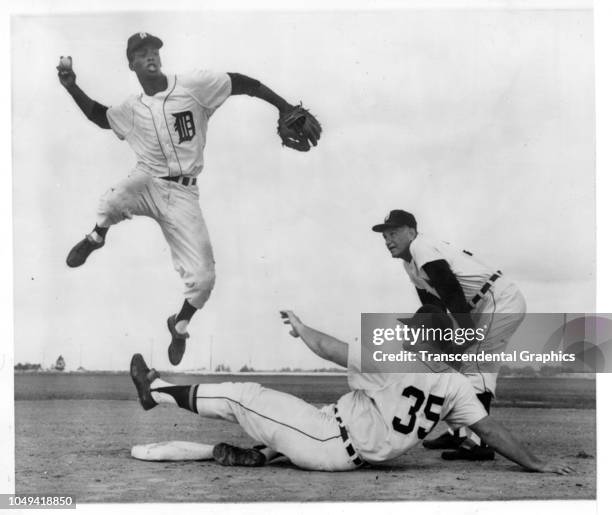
{"x": 177, "y": 346}
{"x": 143, "y": 377}
{"x": 444, "y": 441}
{"x": 232, "y": 456}
{"x": 476, "y": 453}
{"x": 80, "y": 252}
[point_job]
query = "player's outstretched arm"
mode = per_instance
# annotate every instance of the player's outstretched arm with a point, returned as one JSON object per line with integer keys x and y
{"x": 446, "y": 284}
{"x": 297, "y": 127}
{"x": 94, "y": 111}
{"x": 323, "y": 345}
{"x": 243, "y": 85}
{"x": 498, "y": 437}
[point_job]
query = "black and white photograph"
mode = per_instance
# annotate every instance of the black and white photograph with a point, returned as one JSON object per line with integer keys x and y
{"x": 207, "y": 204}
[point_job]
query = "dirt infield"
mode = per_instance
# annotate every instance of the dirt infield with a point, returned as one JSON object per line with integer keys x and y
{"x": 82, "y": 447}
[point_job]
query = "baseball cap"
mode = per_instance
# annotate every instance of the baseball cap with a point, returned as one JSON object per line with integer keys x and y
{"x": 396, "y": 218}
{"x": 139, "y": 39}
{"x": 430, "y": 316}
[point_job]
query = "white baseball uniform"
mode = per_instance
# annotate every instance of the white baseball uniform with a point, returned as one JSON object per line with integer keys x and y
{"x": 500, "y": 310}
{"x": 382, "y": 417}
{"x": 167, "y": 131}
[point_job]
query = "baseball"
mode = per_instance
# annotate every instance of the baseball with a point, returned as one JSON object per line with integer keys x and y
{"x": 66, "y": 62}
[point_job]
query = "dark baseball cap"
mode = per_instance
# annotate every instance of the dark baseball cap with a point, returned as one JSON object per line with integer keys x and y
{"x": 430, "y": 316}
{"x": 139, "y": 39}
{"x": 396, "y": 218}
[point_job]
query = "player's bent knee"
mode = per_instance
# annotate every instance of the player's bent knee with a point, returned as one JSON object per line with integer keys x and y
{"x": 201, "y": 288}
{"x": 205, "y": 280}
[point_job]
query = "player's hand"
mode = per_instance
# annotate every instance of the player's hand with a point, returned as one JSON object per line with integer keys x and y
{"x": 554, "y": 467}
{"x": 66, "y": 75}
{"x": 289, "y": 318}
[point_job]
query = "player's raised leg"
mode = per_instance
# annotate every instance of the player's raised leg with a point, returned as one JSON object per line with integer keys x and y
{"x": 309, "y": 437}
{"x": 177, "y": 325}
{"x": 130, "y": 197}
{"x": 143, "y": 376}
{"x": 226, "y": 454}
{"x": 81, "y": 251}
{"x": 185, "y": 231}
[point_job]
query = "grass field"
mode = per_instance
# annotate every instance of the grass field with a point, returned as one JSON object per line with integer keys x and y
{"x": 74, "y": 433}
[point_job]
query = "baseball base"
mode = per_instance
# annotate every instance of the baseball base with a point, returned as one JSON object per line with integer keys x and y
{"x": 173, "y": 451}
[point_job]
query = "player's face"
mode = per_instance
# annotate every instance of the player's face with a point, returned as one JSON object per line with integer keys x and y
{"x": 397, "y": 239}
{"x": 146, "y": 61}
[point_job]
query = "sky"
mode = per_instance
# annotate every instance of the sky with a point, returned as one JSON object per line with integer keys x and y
{"x": 480, "y": 122}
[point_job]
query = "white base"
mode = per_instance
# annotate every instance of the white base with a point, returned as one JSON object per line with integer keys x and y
{"x": 172, "y": 451}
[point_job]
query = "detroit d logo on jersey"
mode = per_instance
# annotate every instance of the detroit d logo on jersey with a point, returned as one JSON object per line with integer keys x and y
{"x": 184, "y": 126}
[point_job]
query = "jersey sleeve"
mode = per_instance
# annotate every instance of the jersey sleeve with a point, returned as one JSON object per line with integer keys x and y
{"x": 210, "y": 89}
{"x": 358, "y": 380}
{"x": 121, "y": 118}
{"x": 423, "y": 251}
{"x": 465, "y": 408}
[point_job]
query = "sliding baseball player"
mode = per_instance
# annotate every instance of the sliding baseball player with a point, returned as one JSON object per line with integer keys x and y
{"x": 381, "y": 418}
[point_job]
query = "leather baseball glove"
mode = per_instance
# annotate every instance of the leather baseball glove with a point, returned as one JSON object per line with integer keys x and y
{"x": 299, "y": 129}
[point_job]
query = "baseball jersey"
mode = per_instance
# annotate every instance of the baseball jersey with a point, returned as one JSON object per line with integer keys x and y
{"x": 387, "y": 414}
{"x": 167, "y": 131}
{"x": 470, "y": 272}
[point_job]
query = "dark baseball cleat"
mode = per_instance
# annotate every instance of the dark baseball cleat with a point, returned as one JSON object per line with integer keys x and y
{"x": 232, "y": 456}
{"x": 444, "y": 441}
{"x": 143, "y": 377}
{"x": 476, "y": 453}
{"x": 270, "y": 457}
{"x": 177, "y": 346}
{"x": 80, "y": 252}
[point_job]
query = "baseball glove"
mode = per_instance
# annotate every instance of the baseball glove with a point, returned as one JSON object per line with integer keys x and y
{"x": 299, "y": 129}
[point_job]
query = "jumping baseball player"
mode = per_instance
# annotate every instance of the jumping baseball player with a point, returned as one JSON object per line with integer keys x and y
{"x": 382, "y": 417}
{"x": 166, "y": 125}
{"x": 476, "y": 294}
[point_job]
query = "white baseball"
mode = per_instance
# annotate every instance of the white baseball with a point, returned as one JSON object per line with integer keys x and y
{"x": 66, "y": 62}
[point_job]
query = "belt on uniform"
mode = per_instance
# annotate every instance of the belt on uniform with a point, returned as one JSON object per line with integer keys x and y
{"x": 350, "y": 450}
{"x": 185, "y": 181}
{"x": 485, "y": 288}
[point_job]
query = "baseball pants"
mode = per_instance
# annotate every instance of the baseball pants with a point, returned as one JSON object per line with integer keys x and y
{"x": 176, "y": 209}
{"x": 310, "y": 437}
{"x": 500, "y": 313}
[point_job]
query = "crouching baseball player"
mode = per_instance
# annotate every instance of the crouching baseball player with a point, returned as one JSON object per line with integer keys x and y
{"x": 382, "y": 417}
{"x": 476, "y": 294}
{"x": 166, "y": 125}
